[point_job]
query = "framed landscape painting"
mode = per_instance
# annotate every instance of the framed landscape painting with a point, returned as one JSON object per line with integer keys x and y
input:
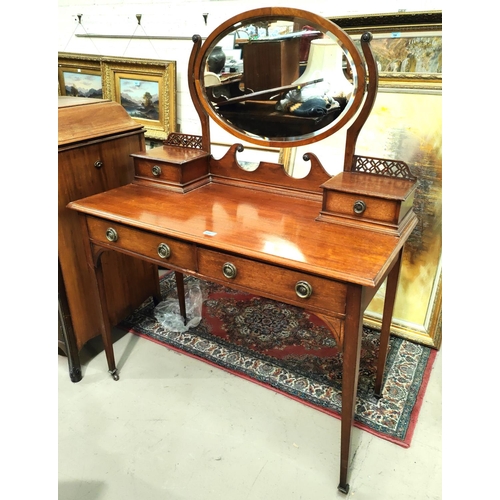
{"x": 407, "y": 47}
{"x": 79, "y": 75}
{"x": 406, "y": 124}
{"x": 146, "y": 89}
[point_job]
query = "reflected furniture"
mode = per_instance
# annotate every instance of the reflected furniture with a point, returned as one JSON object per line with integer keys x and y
{"x": 96, "y": 138}
{"x": 270, "y": 63}
{"x": 321, "y": 243}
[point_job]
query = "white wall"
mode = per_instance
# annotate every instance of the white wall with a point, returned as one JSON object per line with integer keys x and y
{"x": 184, "y": 18}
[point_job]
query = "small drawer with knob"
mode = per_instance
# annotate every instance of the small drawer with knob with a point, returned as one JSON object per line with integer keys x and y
{"x": 175, "y": 168}
{"x": 286, "y": 285}
{"x": 366, "y": 200}
{"x": 154, "y": 170}
{"x": 164, "y": 250}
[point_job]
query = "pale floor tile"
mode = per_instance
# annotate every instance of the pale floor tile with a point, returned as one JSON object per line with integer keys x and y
{"x": 175, "y": 428}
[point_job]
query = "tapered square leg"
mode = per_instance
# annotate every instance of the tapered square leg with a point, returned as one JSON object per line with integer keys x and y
{"x": 385, "y": 333}
{"x": 353, "y": 331}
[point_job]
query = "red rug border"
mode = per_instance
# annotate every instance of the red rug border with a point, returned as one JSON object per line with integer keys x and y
{"x": 420, "y": 396}
{"x": 405, "y": 443}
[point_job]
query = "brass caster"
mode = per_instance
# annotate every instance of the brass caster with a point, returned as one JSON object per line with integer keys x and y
{"x": 344, "y": 489}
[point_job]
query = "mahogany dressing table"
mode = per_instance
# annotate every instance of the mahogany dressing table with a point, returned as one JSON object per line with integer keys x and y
{"x": 322, "y": 243}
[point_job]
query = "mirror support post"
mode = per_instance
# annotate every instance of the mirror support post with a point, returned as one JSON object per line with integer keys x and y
{"x": 192, "y": 82}
{"x": 372, "y": 88}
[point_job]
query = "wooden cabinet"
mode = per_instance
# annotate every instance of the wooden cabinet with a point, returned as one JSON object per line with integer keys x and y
{"x": 270, "y": 64}
{"x": 96, "y": 139}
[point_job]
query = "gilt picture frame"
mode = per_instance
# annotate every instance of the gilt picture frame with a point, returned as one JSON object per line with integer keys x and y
{"x": 406, "y": 124}
{"x": 146, "y": 88}
{"x": 79, "y": 75}
{"x": 407, "y": 47}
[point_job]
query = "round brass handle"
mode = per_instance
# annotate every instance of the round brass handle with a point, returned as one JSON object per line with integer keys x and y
{"x": 163, "y": 250}
{"x": 156, "y": 170}
{"x": 303, "y": 289}
{"x": 359, "y": 207}
{"x": 98, "y": 164}
{"x": 111, "y": 234}
{"x": 229, "y": 270}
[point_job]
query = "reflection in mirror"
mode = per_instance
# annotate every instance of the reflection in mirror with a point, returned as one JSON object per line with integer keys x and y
{"x": 249, "y": 157}
{"x": 281, "y": 79}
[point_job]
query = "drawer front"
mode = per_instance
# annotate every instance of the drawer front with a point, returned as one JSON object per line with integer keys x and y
{"x": 294, "y": 287}
{"x": 171, "y": 173}
{"x": 166, "y": 251}
{"x": 156, "y": 170}
{"x": 363, "y": 207}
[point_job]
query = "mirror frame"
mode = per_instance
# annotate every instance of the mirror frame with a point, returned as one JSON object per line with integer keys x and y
{"x": 200, "y": 53}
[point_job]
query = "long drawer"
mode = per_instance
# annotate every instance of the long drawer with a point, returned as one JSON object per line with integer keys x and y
{"x": 170, "y": 251}
{"x": 294, "y": 287}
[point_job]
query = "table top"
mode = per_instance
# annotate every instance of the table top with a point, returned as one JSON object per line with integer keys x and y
{"x": 260, "y": 225}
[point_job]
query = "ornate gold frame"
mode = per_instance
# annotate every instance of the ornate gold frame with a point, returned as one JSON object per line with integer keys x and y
{"x": 163, "y": 73}
{"x": 113, "y": 70}
{"x": 409, "y": 25}
{"x": 78, "y": 64}
{"x": 408, "y": 91}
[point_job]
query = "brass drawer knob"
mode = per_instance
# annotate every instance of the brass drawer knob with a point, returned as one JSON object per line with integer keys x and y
{"x": 98, "y": 164}
{"x": 163, "y": 250}
{"x": 359, "y": 207}
{"x": 156, "y": 170}
{"x": 303, "y": 289}
{"x": 111, "y": 234}
{"x": 229, "y": 270}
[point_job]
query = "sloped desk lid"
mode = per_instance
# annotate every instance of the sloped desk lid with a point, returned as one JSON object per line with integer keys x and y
{"x": 82, "y": 118}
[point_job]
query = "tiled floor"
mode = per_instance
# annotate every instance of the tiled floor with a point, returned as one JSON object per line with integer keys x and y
{"x": 175, "y": 428}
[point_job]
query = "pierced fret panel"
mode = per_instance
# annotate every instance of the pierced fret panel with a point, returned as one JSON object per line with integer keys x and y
{"x": 382, "y": 166}
{"x": 183, "y": 140}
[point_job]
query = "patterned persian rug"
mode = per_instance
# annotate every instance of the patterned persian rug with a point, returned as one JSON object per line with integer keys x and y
{"x": 283, "y": 348}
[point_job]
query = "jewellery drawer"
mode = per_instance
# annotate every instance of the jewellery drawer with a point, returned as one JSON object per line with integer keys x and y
{"x": 165, "y": 250}
{"x": 365, "y": 207}
{"x": 294, "y": 287}
{"x": 375, "y": 201}
{"x": 179, "y": 169}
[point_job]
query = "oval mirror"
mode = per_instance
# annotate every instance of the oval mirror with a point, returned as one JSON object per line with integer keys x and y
{"x": 279, "y": 77}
